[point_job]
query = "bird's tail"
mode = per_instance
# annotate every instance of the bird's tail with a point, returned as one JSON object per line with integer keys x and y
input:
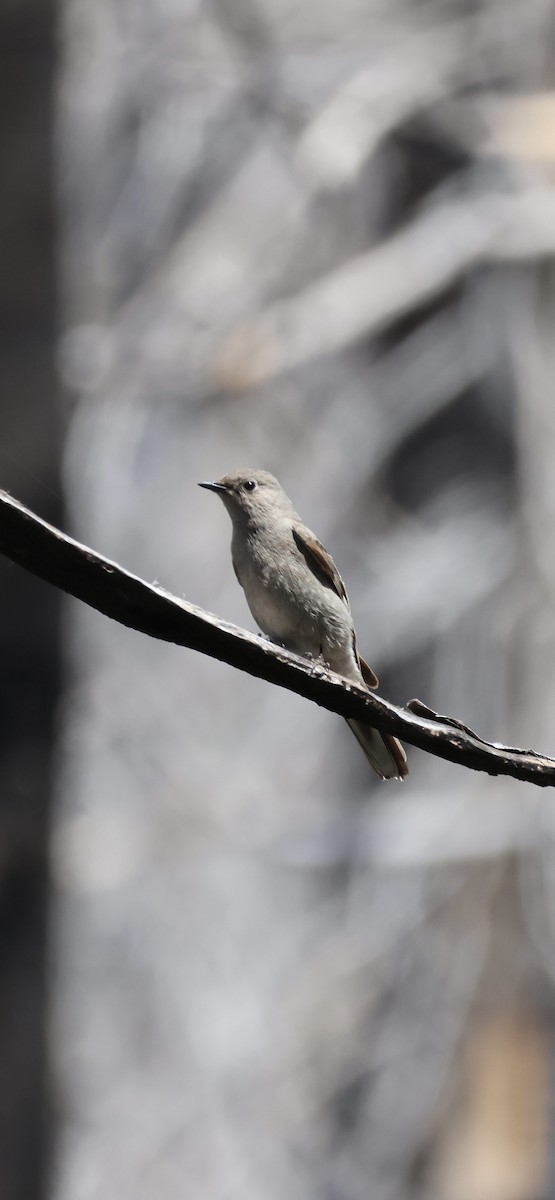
{"x": 383, "y": 751}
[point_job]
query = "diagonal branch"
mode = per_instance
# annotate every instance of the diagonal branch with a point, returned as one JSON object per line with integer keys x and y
{"x": 454, "y": 232}
{"x": 47, "y": 552}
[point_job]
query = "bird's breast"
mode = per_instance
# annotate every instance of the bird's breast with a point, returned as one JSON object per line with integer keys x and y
{"x": 287, "y": 601}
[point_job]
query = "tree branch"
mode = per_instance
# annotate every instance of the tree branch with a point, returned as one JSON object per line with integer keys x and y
{"x": 453, "y": 232}
{"x": 53, "y": 556}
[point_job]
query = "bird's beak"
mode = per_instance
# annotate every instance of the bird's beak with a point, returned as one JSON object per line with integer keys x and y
{"x": 214, "y": 487}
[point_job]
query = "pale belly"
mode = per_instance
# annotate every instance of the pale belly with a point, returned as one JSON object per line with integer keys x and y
{"x": 310, "y": 621}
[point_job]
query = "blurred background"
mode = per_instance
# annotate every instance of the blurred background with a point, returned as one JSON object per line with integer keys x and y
{"x": 317, "y": 239}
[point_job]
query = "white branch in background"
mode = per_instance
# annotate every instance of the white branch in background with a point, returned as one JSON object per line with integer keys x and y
{"x": 403, "y": 78}
{"x": 452, "y": 233}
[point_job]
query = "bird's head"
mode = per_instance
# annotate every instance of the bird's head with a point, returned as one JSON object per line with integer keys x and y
{"x": 250, "y": 493}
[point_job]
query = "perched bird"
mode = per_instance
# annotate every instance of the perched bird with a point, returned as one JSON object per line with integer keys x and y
{"x": 296, "y": 594}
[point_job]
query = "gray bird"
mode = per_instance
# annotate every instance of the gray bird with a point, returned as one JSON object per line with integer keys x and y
{"x": 296, "y": 594}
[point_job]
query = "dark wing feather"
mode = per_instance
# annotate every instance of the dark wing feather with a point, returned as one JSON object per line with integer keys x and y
{"x": 323, "y": 566}
{"x": 319, "y": 561}
{"x": 370, "y": 678}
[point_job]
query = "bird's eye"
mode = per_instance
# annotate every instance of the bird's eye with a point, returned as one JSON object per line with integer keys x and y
{"x": 249, "y": 485}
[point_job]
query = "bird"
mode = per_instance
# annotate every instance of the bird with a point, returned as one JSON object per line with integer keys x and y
{"x": 296, "y": 594}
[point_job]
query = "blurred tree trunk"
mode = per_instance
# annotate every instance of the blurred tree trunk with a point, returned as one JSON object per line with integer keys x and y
{"x": 497, "y": 1147}
{"x": 29, "y": 649}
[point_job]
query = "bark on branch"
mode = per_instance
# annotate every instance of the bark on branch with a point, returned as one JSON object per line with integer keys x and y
{"x": 53, "y": 556}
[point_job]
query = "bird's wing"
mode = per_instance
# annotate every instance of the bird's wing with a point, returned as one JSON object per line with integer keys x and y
{"x": 370, "y": 678}
{"x": 320, "y": 562}
{"x": 323, "y": 566}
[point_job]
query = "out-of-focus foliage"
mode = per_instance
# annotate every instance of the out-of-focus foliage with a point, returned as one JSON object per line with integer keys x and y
{"x": 317, "y": 239}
